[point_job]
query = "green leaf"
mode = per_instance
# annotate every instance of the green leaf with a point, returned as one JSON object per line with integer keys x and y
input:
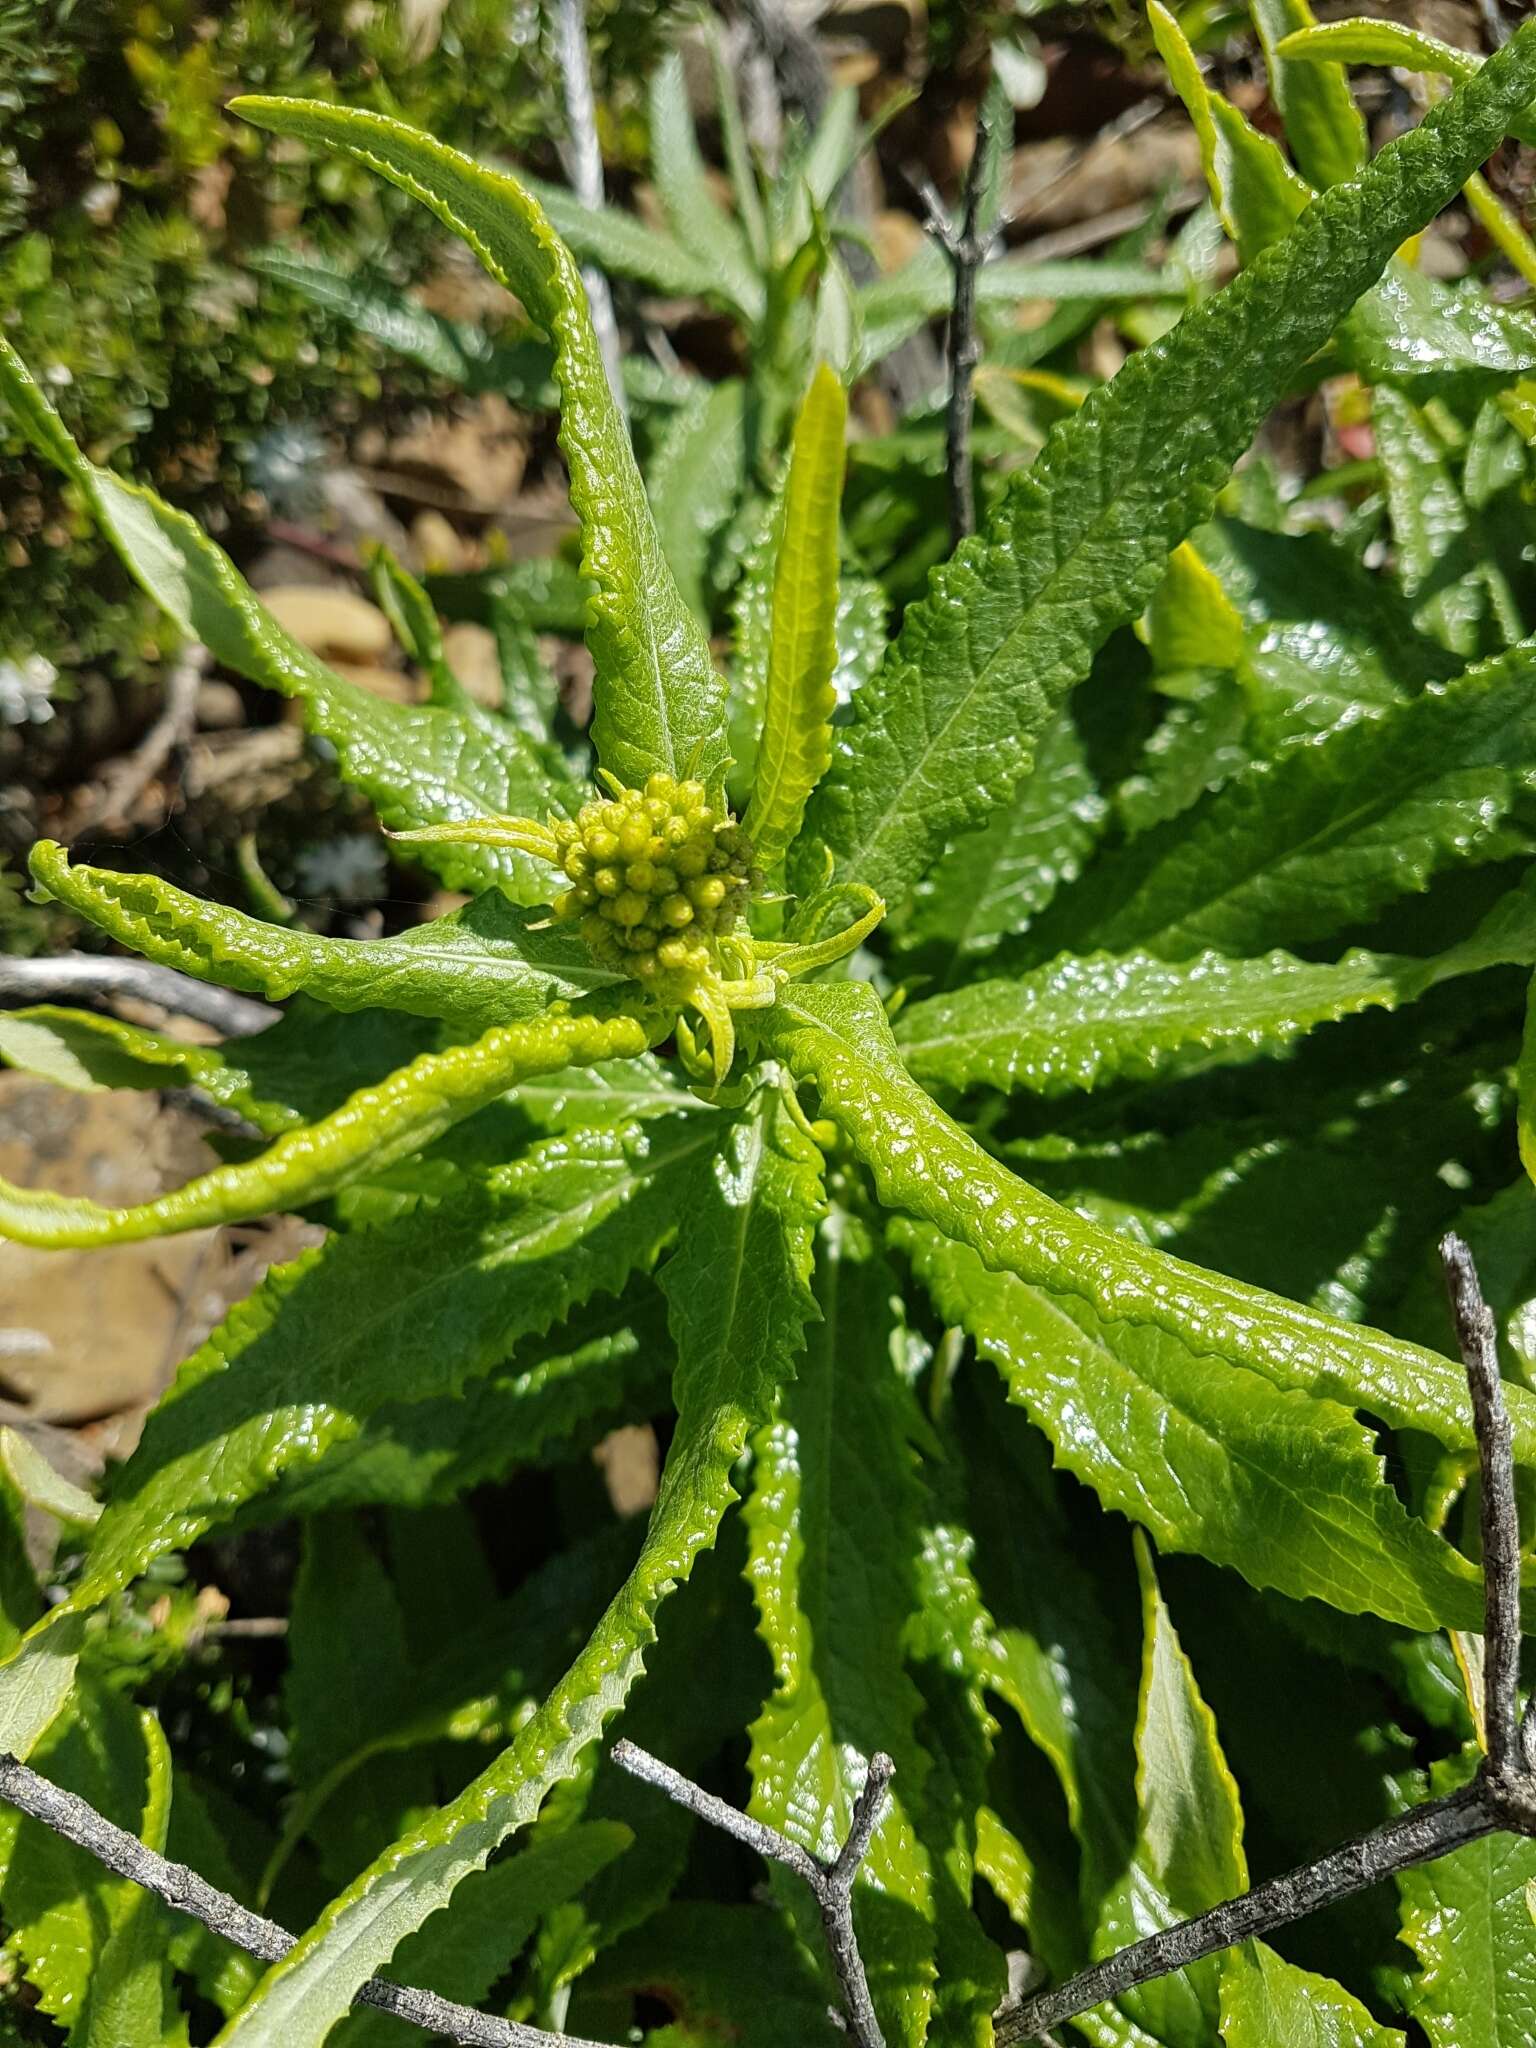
{"x": 1189, "y": 1846}
{"x": 464, "y": 1951}
{"x": 416, "y": 763}
{"x": 1286, "y": 1489}
{"x": 891, "y": 309}
{"x": 373, "y": 1129}
{"x": 1191, "y": 623}
{"x": 130, "y": 1987}
{"x": 738, "y": 156}
{"x": 1432, "y": 525}
{"x": 489, "y": 963}
{"x": 695, "y": 481}
{"x": 1057, "y": 1661}
{"x": 35, "y": 1683}
{"x": 520, "y": 371}
{"x": 626, "y": 246}
{"x": 1267, "y": 2003}
{"x": 987, "y": 885}
{"x": 606, "y": 1367}
{"x": 1368, "y": 41}
{"x": 40, "y": 1486}
{"x": 79, "y": 1049}
{"x": 658, "y": 701}
{"x": 696, "y": 218}
{"x": 739, "y": 1294}
{"x": 1079, "y": 1023}
{"x": 60, "y": 1903}
{"x": 799, "y": 700}
{"x": 1078, "y": 543}
{"x": 1466, "y": 1918}
{"x": 1324, "y": 127}
{"x": 411, "y": 1311}
{"x": 834, "y": 1518}
{"x": 1326, "y": 834}
{"x": 836, "y": 1036}
{"x": 1415, "y": 331}
{"x": 1257, "y": 194}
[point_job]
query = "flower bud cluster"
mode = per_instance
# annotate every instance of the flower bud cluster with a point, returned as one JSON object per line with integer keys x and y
{"x": 656, "y": 876}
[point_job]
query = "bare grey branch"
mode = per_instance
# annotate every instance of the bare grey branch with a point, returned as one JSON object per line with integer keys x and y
{"x": 584, "y": 167}
{"x": 831, "y": 1884}
{"x": 89, "y": 977}
{"x": 186, "y": 1892}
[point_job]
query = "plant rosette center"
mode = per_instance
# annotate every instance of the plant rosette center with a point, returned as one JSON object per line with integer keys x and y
{"x": 659, "y": 882}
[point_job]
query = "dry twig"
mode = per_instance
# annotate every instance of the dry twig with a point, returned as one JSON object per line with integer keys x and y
{"x": 830, "y": 1884}
{"x": 183, "y": 1890}
{"x": 1502, "y": 1797}
{"x": 91, "y": 977}
{"x": 125, "y": 781}
{"x": 967, "y": 248}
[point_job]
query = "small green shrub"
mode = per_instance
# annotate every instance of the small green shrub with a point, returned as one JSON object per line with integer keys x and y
{"x": 1128, "y": 986}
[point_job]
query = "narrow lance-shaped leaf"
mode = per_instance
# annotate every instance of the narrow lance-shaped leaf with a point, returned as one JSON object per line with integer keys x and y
{"x": 796, "y": 742}
{"x": 1258, "y": 195}
{"x": 1324, "y": 127}
{"x": 1078, "y": 543}
{"x": 489, "y": 963}
{"x": 1324, "y": 835}
{"x": 693, "y": 213}
{"x": 372, "y": 1129}
{"x": 740, "y": 1296}
{"x": 408, "y": 1313}
{"x": 1286, "y": 1489}
{"x": 416, "y": 763}
{"x": 836, "y": 1036}
{"x": 1431, "y": 524}
{"x": 834, "y": 1519}
{"x": 659, "y": 705}
{"x": 1078, "y": 1023}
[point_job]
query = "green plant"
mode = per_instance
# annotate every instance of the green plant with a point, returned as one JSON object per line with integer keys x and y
{"x": 1126, "y": 882}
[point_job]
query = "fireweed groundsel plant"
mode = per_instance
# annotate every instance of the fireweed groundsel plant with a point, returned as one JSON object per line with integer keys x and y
{"x": 941, "y": 1141}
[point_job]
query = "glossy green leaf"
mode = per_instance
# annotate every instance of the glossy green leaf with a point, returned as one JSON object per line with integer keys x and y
{"x": 1285, "y": 1489}
{"x": 798, "y": 698}
{"x": 834, "y": 1516}
{"x": 987, "y": 885}
{"x": 1370, "y": 41}
{"x": 1079, "y": 1023}
{"x": 1077, "y": 545}
{"x": 697, "y": 220}
{"x": 1324, "y": 127}
{"x": 739, "y": 1295}
{"x": 60, "y": 1903}
{"x": 1189, "y": 1845}
{"x": 411, "y": 1311}
{"x": 738, "y": 155}
{"x": 658, "y": 703}
{"x": 35, "y": 1683}
{"x": 1191, "y": 623}
{"x": 129, "y": 2002}
{"x": 464, "y": 1951}
{"x": 1431, "y": 524}
{"x": 1326, "y": 834}
{"x": 415, "y": 763}
{"x": 1267, "y": 2003}
{"x": 373, "y": 1129}
{"x": 1257, "y": 194}
{"x": 40, "y": 1485}
{"x": 1057, "y": 1661}
{"x": 1467, "y": 1920}
{"x": 836, "y": 1036}
{"x": 606, "y": 1366}
{"x": 490, "y": 963}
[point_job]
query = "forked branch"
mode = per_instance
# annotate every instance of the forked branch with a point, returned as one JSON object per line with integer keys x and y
{"x": 830, "y": 1884}
{"x": 1501, "y": 1797}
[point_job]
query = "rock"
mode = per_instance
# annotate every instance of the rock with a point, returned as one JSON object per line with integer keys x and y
{"x": 479, "y": 455}
{"x": 437, "y": 546}
{"x": 331, "y": 622}
{"x": 220, "y": 707}
{"x": 470, "y": 652}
